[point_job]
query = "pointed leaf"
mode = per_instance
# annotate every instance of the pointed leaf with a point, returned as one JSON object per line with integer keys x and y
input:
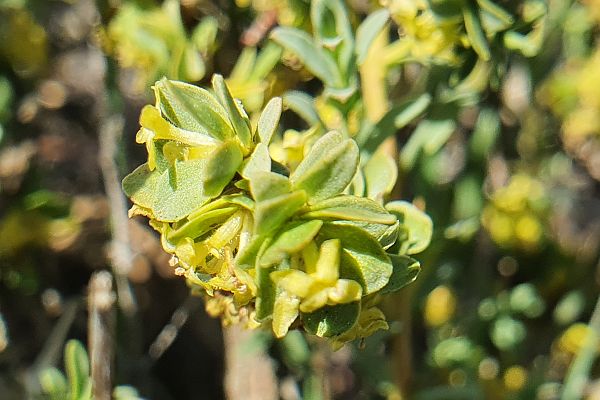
{"x": 285, "y": 312}
{"x": 269, "y": 118}
{"x": 350, "y": 208}
{"x": 237, "y": 115}
{"x": 328, "y": 167}
{"x": 259, "y": 161}
{"x": 475, "y": 32}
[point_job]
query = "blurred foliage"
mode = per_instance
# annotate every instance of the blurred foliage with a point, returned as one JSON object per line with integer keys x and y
{"x": 483, "y": 114}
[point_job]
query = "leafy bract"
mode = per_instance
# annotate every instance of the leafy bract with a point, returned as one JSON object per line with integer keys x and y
{"x": 293, "y": 237}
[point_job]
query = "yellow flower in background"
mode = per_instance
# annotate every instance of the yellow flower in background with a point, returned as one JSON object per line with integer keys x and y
{"x": 574, "y": 337}
{"x": 513, "y": 217}
{"x": 515, "y": 378}
{"x": 440, "y": 306}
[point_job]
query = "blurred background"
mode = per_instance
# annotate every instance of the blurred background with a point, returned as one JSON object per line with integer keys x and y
{"x": 500, "y": 146}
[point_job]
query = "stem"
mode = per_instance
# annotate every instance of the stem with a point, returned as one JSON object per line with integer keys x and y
{"x": 249, "y": 375}
{"x": 101, "y": 322}
{"x": 578, "y": 374}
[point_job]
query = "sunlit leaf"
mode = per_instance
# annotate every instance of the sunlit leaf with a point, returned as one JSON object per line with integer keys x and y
{"x": 328, "y": 168}
{"x": 269, "y": 118}
{"x": 293, "y": 237}
{"x": 237, "y": 115}
{"x": 418, "y": 225}
{"x": 331, "y": 320}
{"x": 368, "y": 31}
{"x": 405, "y": 272}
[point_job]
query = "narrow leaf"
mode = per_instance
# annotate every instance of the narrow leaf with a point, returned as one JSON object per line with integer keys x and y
{"x": 475, "y": 32}
{"x": 269, "y": 118}
{"x": 237, "y": 117}
{"x": 350, "y": 208}
{"x": 405, "y": 272}
{"x": 368, "y": 31}
{"x": 331, "y": 320}
{"x": 294, "y": 237}
{"x": 314, "y": 58}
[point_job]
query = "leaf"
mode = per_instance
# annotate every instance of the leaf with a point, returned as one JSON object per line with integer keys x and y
{"x": 350, "y": 208}
{"x": 151, "y": 119}
{"x": 332, "y": 30}
{"x": 485, "y": 134}
{"x": 363, "y": 259}
{"x": 293, "y": 237}
{"x": 368, "y": 31}
{"x": 192, "y": 108}
{"x": 315, "y": 59}
{"x": 269, "y": 118}
{"x": 418, "y": 224}
{"x": 328, "y": 167}
{"x": 496, "y": 11}
{"x": 53, "y": 383}
{"x": 201, "y": 224}
{"x": 237, "y": 115}
{"x": 475, "y": 32}
{"x": 266, "y": 185}
{"x": 430, "y": 135}
{"x": 331, "y": 320}
{"x": 266, "y": 289}
{"x": 77, "y": 366}
{"x": 270, "y": 214}
{"x": 371, "y": 136}
{"x": 405, "y": 272}
{"x": 259, "y": 161}
{"x": 381, "y": 173}
{"x": 303, "y": 105}
{"x": 174, "y": 193}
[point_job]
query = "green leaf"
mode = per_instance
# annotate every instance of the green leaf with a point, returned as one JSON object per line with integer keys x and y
{"x": 331, "y": 320}
{"x": 77, "y": 366}
{"x": 405, "y": 272}
{"x": 363, "y": 259}
{"x": 269, "y": 118}
{"x": 497, "y": 11}
{"x": 192, "y": 108}
{"x": 266, "y": 185}
{"x": 314, "y": 58}
{"x": 475, "y": 32}
{"x": 293, "y": 237}
{"x": 259, "y": 161}
{"x": 201, "y": 224}
{"x": 429, "y": 136}
{"x": 332, "y": 30}
{"x": 151, "y": 119}
{"x": 303, "y": 105}
{"x": 485, "y": 134}
{"x": 53, "y": 383}
{"x": 270, "y": 214}
{"x": 416, "y": 222}
{"x": 328, "y": 167}
{"x": 237, "y": 115}
{"x": 368, "y": 31}
{"x": 350, "y": 208}
{"x": 174, "y": 193}
{"x": 372, "y": 135}
{"x": 266, "y": 288}
{"x": 381, "y": 173}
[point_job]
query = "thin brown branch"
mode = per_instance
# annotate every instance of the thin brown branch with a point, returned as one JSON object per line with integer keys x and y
{"x": 169, "y": 333}
{"x": 101, "y": 322}
{"x": 248, "y": 375}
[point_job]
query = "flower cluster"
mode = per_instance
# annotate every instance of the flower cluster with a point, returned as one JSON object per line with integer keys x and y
{"x": 268, "y": 245}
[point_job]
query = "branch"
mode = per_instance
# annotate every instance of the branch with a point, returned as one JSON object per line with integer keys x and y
{"x": 101, "y": 322}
